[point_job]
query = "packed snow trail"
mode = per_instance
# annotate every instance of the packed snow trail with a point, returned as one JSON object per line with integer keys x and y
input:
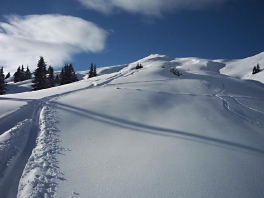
{"x": 41, "y": 171}
{"x": 20, "y": 148}
{"x": 20, "y": 129}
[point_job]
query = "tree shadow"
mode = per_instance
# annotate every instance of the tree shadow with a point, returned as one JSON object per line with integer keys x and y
{"x": 139, "y": 127}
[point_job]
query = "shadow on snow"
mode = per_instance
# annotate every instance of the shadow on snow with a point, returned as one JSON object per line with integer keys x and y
{"x": 126, "y": 124}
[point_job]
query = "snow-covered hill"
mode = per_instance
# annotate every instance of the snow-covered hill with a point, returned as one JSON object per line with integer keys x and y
{"x": 138, "y": 133}
{"x": 241, "y": 69}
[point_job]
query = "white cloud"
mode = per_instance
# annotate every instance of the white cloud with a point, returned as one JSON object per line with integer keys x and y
{"x": 55, "y": 37}
{"x": 148, "y": 7}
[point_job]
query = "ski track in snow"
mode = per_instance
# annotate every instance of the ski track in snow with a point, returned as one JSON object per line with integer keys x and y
{"x": 220, "y": 94}
{"x": 19, "y": 132}
{"x": 18, "y": 147}
{"x": 42, "y": 169}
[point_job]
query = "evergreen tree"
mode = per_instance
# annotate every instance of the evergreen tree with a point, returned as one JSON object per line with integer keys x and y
{"x": 28, "y": 74}
{"x": 17, "y": 75}
{"x": 62, "y": 76}
{"x": 22, "y": 74}
{"x": 40, "y": 80}
{"x": 50, "y": 78}
{"x": 139, "y": 66}
{"x": 90, "y": 73}
{"x": 67, "y": 75}
{"x": 57, "y": 79}
{"x": 258, "y": 68}
{"x": 73, "y": 76}
{"x": 7, "y": 76}
{"x": 2, "y": 82}
{"x": 94, "y": 71}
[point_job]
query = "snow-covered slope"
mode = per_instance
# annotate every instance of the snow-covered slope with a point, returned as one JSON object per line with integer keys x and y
{"x": 243, "y": 68}
{"x": 137, "y": 133}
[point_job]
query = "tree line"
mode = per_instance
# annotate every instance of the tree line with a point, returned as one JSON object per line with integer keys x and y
{"x": 44, "y": 78}
{"x": 21, "y": 74}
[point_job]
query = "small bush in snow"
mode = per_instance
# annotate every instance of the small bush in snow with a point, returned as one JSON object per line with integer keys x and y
{"x": 175, "y": 71}
{"x": 256, "y": 69}
{"x": 139, "y": 66}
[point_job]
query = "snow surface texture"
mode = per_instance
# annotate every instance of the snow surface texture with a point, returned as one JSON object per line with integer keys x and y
{"x": 138, "y": 133}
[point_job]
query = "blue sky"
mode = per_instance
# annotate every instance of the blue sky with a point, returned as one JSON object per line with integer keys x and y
{"x": 123, "y": 31}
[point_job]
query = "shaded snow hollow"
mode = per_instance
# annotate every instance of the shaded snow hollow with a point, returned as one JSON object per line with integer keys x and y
{"x": 138, "y": 133}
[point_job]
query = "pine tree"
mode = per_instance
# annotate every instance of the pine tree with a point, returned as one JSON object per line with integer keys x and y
{"x": 22, "y": 74}
{"x": 73, "y": 76}
{"x": 7, "y": 76}
{"x": 94, "y": 71}
{"x": 28, "y": 74}
{"x": 90, "y": 73}
{"x": 139, "y": 66}
{"x": 67, "y": 75}
{"x": 2, "y": 82}
{"x": 57, "y": 80}
{"x": 17, "y": 75}
{"x": 62, "y": 76}
{"x": 50, "y": 78}
{"x": 40, "y": 80}
{"x": 258, "y": 68}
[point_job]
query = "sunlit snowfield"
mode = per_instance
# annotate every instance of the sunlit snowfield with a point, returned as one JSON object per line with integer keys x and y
{"x": 138, "y": 133}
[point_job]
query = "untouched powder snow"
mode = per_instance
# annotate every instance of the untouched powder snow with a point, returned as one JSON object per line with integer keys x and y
{"x": 137, "y": 133}
{"x": 243, "y": 68}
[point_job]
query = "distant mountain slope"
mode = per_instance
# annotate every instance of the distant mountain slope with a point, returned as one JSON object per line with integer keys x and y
{"x": 241, "y": 68}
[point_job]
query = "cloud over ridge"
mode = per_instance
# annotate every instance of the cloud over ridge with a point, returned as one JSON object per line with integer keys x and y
{"x": 148, "y": 7}
{"x": 23, "y": 39}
